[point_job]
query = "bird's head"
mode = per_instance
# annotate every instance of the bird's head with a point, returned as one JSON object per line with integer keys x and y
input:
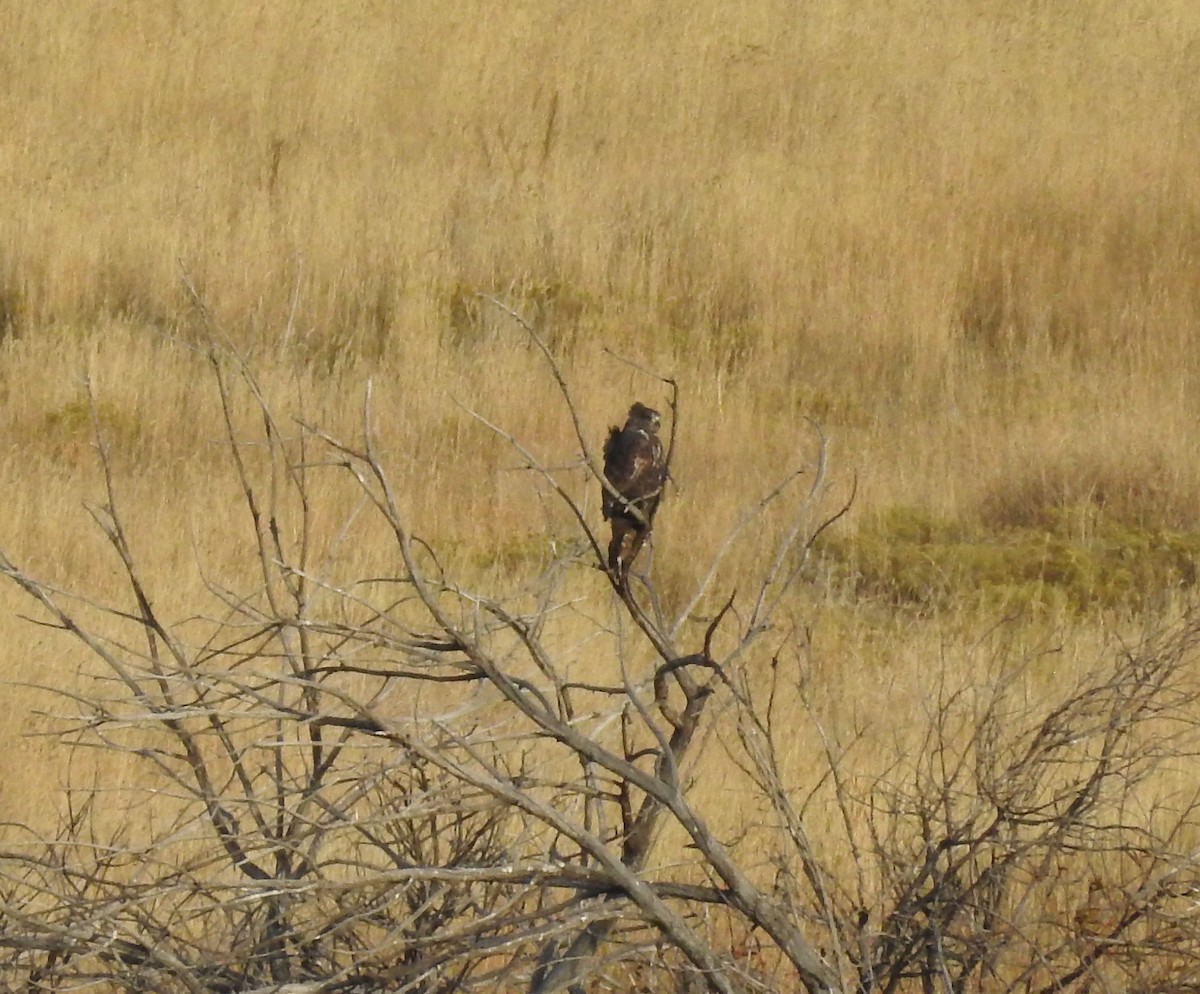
{"x": 641, "y": 416}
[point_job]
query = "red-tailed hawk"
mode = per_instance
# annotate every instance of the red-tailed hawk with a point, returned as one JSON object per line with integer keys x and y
{"x": 636, "y": 468}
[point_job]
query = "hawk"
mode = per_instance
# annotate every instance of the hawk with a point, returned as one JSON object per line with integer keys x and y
{"x": 636, "y": 468}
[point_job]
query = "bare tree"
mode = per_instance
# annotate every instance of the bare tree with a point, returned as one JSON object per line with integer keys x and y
{"x": 395, "y": 782}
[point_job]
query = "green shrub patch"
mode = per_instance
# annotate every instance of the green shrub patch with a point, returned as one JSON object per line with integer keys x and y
{"x": 1081, "y": 561}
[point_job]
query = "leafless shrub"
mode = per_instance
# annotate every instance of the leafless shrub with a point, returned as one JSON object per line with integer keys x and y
{"x": 1022, "y": 846}
{"x": 397, "y": 783}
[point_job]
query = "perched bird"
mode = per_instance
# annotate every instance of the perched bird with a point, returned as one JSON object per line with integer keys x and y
{"x": 636, "y": 469}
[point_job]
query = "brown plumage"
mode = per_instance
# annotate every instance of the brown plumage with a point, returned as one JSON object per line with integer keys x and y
{"x": 635, "y": 466}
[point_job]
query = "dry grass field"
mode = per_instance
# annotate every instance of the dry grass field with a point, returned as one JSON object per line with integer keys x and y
{"x": 963, "y": 236}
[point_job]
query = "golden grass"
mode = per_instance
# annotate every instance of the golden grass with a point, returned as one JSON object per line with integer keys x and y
{"x": 964, "y": 237}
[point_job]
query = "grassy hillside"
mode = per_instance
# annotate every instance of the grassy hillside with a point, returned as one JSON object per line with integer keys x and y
{"x": 965, "y": 237}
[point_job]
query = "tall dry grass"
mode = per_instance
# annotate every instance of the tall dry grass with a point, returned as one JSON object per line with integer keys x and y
{"x": 964, "y": 236}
